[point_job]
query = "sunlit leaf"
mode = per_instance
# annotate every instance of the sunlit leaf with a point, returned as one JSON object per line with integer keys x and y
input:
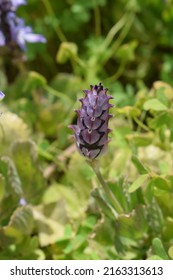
{"x": 132, "y": 225}
{"x": 2, "y": 186}
{"x": 170, "y": 252}
{"x": 139, "y": 166}
{"x": 25, "y": 158}
{"x": 154, "y": 104}
{"x": 159, "y": 249}
{"x": 67, "y": 50}
{"x": 139, "y": 182}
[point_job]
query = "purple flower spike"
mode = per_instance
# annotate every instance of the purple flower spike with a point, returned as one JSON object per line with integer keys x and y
{"x": 91, "y": 131}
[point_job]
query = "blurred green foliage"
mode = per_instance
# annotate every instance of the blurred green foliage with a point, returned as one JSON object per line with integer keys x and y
{"x": 51, "y": 204}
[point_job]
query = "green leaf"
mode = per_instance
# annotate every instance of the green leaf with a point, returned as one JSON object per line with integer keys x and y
{"x": 34, "y": 80}
{"x": 25, "y": 157}
{"x": 154, "y": 257}
{"x": 12, "y": 128}
{"x": 139, "y": 166}
{"x": 161, "y": 183}
{"x": 22, "y": 220}
{"x": 2, "y": 186}
{"x": 11, "y": 177}
{"x": 160, "y": 120}
{"x": 128, "y": 111}
{"x": 77, "y": 243}
{"x": 170, "y": 252}
{"x": 159, "y": 249}
{"x": 154, "y": 104}
{"x": 133, "y": 225}
{"x": 140, "y": 139}
{"x": 138, "y": 182}
{"x": 108, "y": 210}
{"x": 20, "y": 226}
{"x": 166, "y": 88}
{"x": 50, "y": 222}
{"x": 67, "y": 50}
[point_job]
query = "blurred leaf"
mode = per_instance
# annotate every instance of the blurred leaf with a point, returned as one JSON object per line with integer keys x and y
{"x": 154, "y": 104}
{"x": 170, "y": 252}
{"x": 168, "y": 229}
{"x": 11, "y": 124}
{"x": 11, "y": 177}
{"x": 159, "y": 249}
{"x": 75, "y": 198}
{"x": 2, "y": 186}
{"x": 140, "y": 139}
{"x": 77, "y": 243}
{"x": 167, "y": 89}
{"x": 25, "y": 158}
{"x": 139, "y": 166}
{"x": 161, "y": 183}
{"x": 34, "y": 80}
{"x": 154, "y": 257}
{"x": 66, "y": 51}
{"x": 107, "y": 209}
{"x": 20, "y": 226}
{"x": 50, "y": 228}
{"x": 129, "y": 111}
{"x": 133, "y": 225}
{"x": 139, "y": 182}
{"x": 161, "y": 120}
{"x": 22, "y": 220}
{"x": 126, "y": 52}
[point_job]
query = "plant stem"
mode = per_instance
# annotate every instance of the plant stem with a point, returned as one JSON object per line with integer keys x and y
{"x": 97, "y": 21}
{"x": 108, "y": 192}
{"x": 50, "y": 12}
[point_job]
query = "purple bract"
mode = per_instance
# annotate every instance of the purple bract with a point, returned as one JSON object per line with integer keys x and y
{"x": 91, "y": 131}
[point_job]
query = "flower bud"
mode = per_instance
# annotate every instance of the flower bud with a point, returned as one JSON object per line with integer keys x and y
{"x": 91, "y": 131}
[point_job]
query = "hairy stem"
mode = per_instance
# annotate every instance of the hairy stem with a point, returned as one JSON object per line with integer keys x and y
{"x": 108, "y": 192}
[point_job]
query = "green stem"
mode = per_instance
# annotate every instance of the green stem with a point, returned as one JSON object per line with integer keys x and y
{"x": 58, "y": 30}
{"x": 140, "y": 124}
{"x": 123, "y": 34}
{"x": 113, "y": 31}
{"x": 97, "y": 21}
{"x": 116, "y": 75}
{"x": 108, "y": 192}
{"x": 57, "y": 93}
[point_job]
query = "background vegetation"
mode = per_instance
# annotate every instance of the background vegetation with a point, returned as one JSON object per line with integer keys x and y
{"x": 51, "y": 204}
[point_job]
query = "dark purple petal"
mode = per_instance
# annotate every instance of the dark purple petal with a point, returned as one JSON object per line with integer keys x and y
{"x": 90, "y": 111}
{"x": 92, "y": 122}
{"x": 92, "y": 99}
{"x": 104, "y": 115}
{"x": 104, "y": 127}
{"x": 103, "y": 139}
{"x": 90, "y": 136}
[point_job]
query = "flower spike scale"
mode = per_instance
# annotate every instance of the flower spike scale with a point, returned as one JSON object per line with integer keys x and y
{"x": 91, "y": 131}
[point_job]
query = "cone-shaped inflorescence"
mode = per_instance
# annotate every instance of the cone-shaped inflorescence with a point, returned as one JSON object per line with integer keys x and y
{"x": 91, "y": 131}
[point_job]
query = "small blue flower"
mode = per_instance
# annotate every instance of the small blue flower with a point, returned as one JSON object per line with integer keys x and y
{"x": 22, "y": 201}
{"x": 7, "y": 5}
{"x": 17, "y": 3}
{"x": 13, "y": 30}
{"x": 2, "y": 95}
